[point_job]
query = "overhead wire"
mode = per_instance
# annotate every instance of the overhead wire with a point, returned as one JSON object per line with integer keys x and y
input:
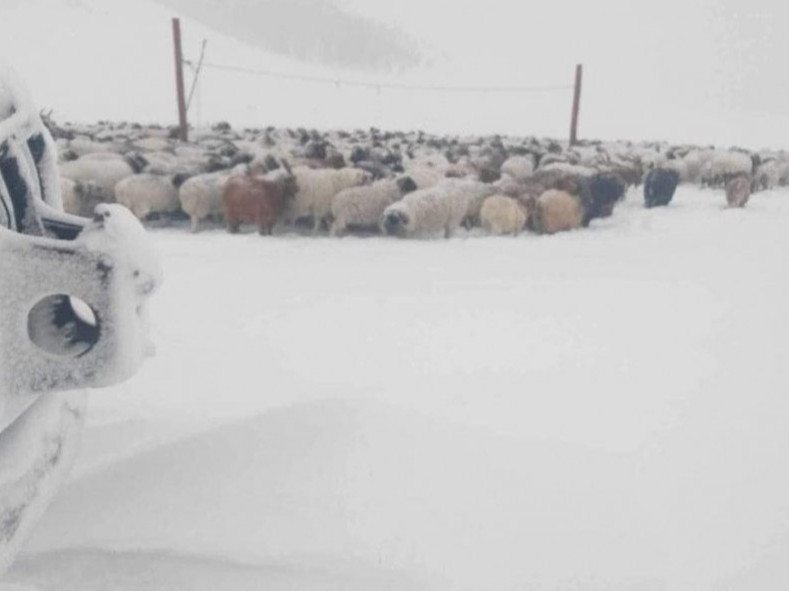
{"x": 384, "y": 85}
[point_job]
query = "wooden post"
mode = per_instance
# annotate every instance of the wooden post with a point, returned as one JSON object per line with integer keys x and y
{"x": 179, "y": 80}
{"x": 579, "y": 70}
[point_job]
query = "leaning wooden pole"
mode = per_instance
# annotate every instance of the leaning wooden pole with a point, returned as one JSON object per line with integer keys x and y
{"x": 579, "y": 71}
{"x": 179, "y": 80}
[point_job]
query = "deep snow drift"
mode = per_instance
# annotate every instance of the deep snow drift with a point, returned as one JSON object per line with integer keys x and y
{"x": 601, "y": 409}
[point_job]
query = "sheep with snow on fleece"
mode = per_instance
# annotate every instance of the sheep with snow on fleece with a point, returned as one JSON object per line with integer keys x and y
{"x": 738, "y": 190}
{"x": 153, "y": 144}
{"x": 509, "y": 186}
{"x": 564, "y": 167}
{"x": 518, "y": 167}
{"x": 679, "y": 165}
{"x": 724, "y": 165}
{"x": 694, "y": 160}
{"x": 146, "y": 194}
{"x": 770, "y": 174}
{"x": 544, "y": 180}
{"x": 106, "y": 171}
{"x": 362, "y": 207}
{"x": 426, "y": 213}
{"x": 82, "y": 145}
{"x": 201, "y": 196}
{"x": 427, "y": 170}
{"x": 81, "y": 197}
{"x": 648, "y": 156}
{"x": 630, "y": 171}
{"x": 258, "y": 199}
{"x": 464, "y": 168}
{"x": 659, "y": 187}
{"x": 317, "y": 188}
{"x": 160, "y": 162}
{"x": 476, "y": 192}
{"x": 502, "y": 215}
{"x": 589, "y": 156}
{"x": 557, "y": 211}
{"x": 426, "y": 176}
{"x": 552, "y": 158}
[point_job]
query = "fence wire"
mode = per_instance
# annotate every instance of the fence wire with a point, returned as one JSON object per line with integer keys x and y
{"x": 383, "y": 85}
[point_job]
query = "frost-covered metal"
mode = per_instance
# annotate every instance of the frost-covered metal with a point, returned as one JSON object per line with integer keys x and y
{"x": 74, "y": 293}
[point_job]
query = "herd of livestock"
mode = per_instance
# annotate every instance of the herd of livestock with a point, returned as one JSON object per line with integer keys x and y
{"x": 403, "y": 184}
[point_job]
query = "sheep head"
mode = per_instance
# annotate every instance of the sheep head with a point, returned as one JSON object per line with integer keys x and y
{"x": 406, "y": 184}
{"x": 136, "y": 161}
{"x": 395, "y": 222}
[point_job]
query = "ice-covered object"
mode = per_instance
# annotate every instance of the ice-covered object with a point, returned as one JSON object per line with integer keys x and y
{"x": 73, "y": 290}
{"x": 113, "y": 281}
{"x": 21, "y": 126}
{"x": 73, "y": 293}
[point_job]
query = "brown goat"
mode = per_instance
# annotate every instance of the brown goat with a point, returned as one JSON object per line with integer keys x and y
{"x": 257, "y": 199}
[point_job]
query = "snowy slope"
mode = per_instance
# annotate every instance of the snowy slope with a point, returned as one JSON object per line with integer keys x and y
{"x": 604, "y": 409}
{"x": 312, "y": 30}
{"x": 332, "y": 484}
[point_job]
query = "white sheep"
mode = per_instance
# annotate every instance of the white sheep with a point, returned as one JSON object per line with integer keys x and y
{"x": 317, "y": 188}
{"x": 103, "y": 156}
{"x": 508, "y": 186}
{"x": 770, "y": 174}
{"x": 427, "y": 169}
{"x": 201, "y": 196}
{"x": 552, "y": 158}
{"x": 427, "y": 160}
{"x": 724, "y": 165}
{"x": 569, "y": 168}
{"x": 557, "y": 211}
{"x": 190, "y": 153}
{"x": 81, "y": 197}
{"x": 426, "y": 176}
{"x": 152, "y": 144}
{"x": 693, "y": 163}
{"x": 439, "y": 210}
{"x": 590, "y": 156}
{"x": 648, "y": 156}
{"x": 161, "y": 163}
{"x": 475, "y": 191}
{"x": 82, "y": 145}
{"x": 146, "y": 194}
{"x": 363, "y": 206}
{"x": 518, "y": 167}
{"x": 105, "y": 171}
{"x": 503, "y": 215}
{"x": 463, "y": 168}
{"x": 680, "y": 166}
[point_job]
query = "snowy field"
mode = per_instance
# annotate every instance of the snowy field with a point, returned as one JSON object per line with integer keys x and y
{"x": 605, "y": 409}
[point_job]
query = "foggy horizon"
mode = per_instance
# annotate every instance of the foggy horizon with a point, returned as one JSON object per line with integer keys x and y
{"x": 706, "y": 73}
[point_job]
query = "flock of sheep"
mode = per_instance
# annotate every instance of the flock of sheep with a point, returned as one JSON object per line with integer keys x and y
{"x": 403, "y": 184}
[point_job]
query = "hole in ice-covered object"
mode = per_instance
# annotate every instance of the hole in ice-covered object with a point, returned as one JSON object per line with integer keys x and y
{"x": 63, "y": 325}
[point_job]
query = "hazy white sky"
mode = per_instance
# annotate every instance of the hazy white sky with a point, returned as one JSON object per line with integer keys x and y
{"x": 698, "y": 71}
{"x": 728, "y": 51}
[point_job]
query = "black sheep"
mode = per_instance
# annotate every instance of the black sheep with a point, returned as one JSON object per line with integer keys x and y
{"x": 659, "y": 186}
{"x": 605, "y": 190}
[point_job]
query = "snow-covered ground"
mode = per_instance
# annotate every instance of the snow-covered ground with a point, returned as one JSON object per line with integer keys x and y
{"x": 598, "y": 410}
